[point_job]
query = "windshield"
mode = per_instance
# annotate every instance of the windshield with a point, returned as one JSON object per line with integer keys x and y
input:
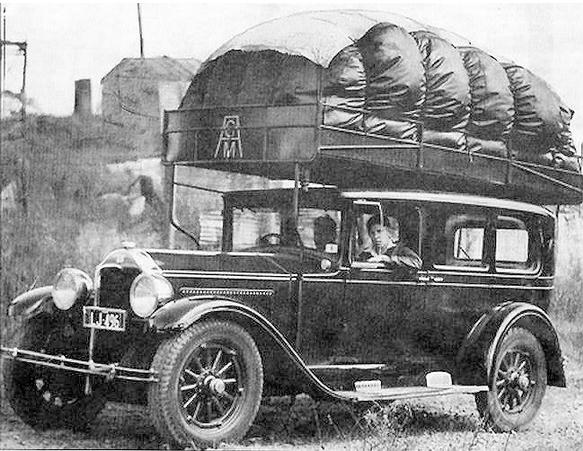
{"x": 267, "y": 227}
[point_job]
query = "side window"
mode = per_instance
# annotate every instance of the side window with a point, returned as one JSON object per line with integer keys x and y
{"x": 461, "y": 244}
{"x": 512, "y": 244}
{"x": 468, "y": 244}
{"x": 199, "y": 214}
{"x": 390, "y": 240}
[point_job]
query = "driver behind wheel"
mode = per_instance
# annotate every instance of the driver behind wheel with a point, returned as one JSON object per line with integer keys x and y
{"x": 386, "y": 247}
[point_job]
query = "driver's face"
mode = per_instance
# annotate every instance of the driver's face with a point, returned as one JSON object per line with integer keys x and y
{"x": 380, "y": 236}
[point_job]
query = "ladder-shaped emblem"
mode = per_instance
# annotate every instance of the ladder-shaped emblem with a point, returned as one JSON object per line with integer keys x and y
{"x": 229, "y": 145}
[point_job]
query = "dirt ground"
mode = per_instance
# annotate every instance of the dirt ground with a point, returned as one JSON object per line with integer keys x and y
{"x": 439, "y": 423}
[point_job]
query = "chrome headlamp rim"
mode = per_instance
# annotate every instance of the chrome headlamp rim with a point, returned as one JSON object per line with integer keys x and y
{"x": 70, "y": 285}
{"x": 147, "y": 292}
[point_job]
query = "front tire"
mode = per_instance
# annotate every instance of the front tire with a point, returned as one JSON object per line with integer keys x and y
{"x": 42, "y": 397}
{"x": 210, "y": 385}
{"x": 518, "y": 384}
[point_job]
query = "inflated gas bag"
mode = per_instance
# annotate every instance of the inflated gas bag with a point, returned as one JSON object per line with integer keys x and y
{"x": 395, "y": 88}
{"x": 542, "y": 120}
{"x": 492, "y": 110}
{"x": 344, "y": 90}
{"x": 447, "y": 98}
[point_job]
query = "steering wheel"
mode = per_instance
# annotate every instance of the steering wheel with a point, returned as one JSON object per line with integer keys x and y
{"x": 270, "y": 239}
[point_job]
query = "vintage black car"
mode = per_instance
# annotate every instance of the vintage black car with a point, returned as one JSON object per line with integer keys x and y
{"x": 288, "y": 306}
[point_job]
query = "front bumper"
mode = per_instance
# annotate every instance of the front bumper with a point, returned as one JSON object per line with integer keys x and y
{"x": 109, "y": 371}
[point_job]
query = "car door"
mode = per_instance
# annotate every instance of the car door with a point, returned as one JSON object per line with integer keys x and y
{"x": 379, "y": 305}
{"x": 460, "y": 279}
{"x": 320, "y": 286}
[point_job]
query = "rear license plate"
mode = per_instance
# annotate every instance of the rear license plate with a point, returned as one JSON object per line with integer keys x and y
{"x": 104, "y": 318}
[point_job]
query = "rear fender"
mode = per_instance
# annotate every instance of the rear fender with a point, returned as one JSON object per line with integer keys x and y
{"x": 182, "y": 313}
{"x": 32, "y": 303}
{"x": 476, "y": 356}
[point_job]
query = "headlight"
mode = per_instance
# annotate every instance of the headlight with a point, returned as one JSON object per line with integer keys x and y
{"x": 147, "y": 292}
{"x": 70, "y": 285}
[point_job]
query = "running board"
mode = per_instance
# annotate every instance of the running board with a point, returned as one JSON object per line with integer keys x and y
{"x": 349, "y": 367}
{"x": 394, "y": 394}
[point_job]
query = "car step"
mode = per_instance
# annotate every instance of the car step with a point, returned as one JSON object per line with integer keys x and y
{"x": 396, "y": 393}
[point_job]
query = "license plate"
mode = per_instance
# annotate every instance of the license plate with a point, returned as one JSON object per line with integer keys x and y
{"x": 104, "y": 318}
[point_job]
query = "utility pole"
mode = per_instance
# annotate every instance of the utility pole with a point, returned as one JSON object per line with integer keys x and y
{"x": 2, "y": 54}
{"x": 140, "y": 28}
{"x": 22, "y": 46}
{"x": 4, "y": 39}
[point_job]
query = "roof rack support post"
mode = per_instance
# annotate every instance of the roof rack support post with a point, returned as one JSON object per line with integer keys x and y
{"x": 421, "y": 146}
{"x": 296, "y": 213}
{"x": 296, "y": 198}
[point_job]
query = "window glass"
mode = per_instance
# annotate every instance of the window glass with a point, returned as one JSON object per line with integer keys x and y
{"x": 468, "y": 243}
{"x": 318, "y": 229}
{"x": 393, "y": 234}
{"x": 252, "y": 225}
{"x": 199, "y": 213}
{"x": 512, "y": 243}
{"x": 461, "y": 243}
{"x": 363, "y": 242}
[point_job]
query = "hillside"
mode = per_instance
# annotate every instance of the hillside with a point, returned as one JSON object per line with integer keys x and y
{"x": 64, "y": 206}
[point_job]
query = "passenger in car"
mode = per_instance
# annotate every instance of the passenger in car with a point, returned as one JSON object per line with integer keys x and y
{"x": 386, "y": 247}
{"x": 324, "y": 232}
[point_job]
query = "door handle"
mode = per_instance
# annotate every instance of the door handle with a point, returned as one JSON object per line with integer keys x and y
{"x": 427, "y": 279}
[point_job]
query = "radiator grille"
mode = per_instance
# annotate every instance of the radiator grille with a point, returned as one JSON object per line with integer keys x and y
{"x": 114, "y": 287}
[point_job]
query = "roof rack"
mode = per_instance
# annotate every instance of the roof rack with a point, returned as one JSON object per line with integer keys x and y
{"x": 269, "y": 140}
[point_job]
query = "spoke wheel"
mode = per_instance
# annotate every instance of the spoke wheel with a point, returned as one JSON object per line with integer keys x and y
{"x": 47, "y": 398}
{"x": 518, "y": 382}
{"x": 210, "y": 387}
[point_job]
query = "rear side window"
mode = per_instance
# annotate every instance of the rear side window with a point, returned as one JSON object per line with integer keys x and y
{"x": 468, "y": 244}
{"x": 512, "y": 244}
{"x": 461, "y": 242}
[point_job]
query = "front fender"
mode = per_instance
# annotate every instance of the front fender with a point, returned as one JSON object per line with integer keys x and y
{"x": 476, "y": 356}
{"x": 31, "y": 303}
{"x": 182, "y": 313}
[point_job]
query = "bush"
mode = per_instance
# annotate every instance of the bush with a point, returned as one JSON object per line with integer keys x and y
{"x": 58, "y": 165}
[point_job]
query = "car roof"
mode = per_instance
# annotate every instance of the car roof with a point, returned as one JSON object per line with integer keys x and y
{"x": 449, "y": 198}
{"x": 395, "y": 195}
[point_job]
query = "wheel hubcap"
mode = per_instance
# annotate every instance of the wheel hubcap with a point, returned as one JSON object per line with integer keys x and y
{"x": 215, "y": 385}
{"x": 210, "y": 385}
{"x": 54, "y": 392}
{"x": 514, "y": 382}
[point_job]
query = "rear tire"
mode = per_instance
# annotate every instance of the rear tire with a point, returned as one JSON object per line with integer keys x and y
{"x": 42, "y": 397}
{"x": 210, "y": 385}
{"x": 518, "y": 385}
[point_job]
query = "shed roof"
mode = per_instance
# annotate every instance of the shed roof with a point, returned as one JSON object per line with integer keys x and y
{"x": 158, "y": 68}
